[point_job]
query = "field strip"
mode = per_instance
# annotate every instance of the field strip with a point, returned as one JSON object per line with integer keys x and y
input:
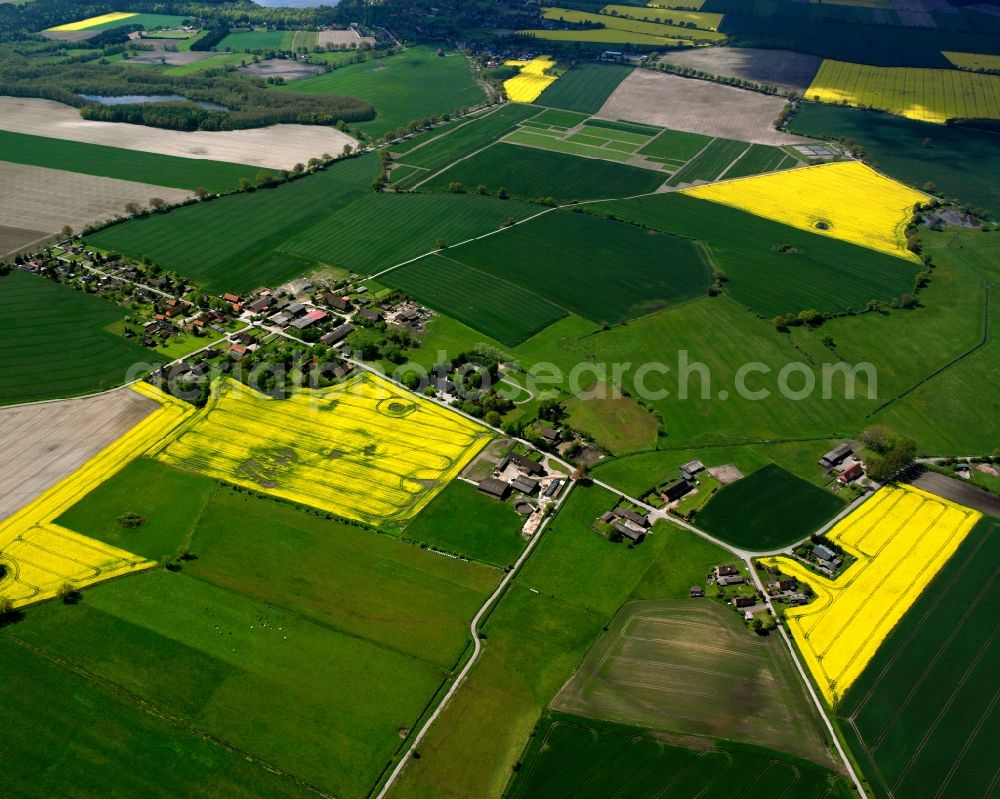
{"x": 929, "y": 667}
{"x": 476, "y": 651}
{"x": 938, "y": 599}
{"x": 699, "y": 646}
{"x": 724, "y": 172}
{"x": 469, "y": 120}
{"x": 947, "y": 706}
{"x": 973, "y": 734}
{"x": 453, "y": 163}
{"x": 681, "y": 667}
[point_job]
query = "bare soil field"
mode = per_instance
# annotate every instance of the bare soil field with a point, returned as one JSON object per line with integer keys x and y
{"x": 971, "y": 496}
{"x": 70, "y": 36}
{"x": 697, "y": 106}
{"x": 13, "y": 239}
{"x": 282, "y": 67}
{"x": 692, "y": 667}
{"x": 172, "y": 58}
{"x": 43, "y": 443}
{"x": 38, "y": 198}
{"x": 342, "y": 38}
{"x": 785, "y": 69}
{"x": 274, "y": 147}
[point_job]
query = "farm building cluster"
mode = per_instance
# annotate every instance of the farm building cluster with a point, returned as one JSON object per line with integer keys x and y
{"x": 842, "y": 462}
{"x": 533, "y": 487}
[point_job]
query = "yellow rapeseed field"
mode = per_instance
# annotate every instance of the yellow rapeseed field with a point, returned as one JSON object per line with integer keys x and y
{"x": 39, "y": 556}
{"x": 703, "y": 19}
{"x": 696, "y": 4}
{"x": 901, "y": 537}
{"x": 973, "y": 60}
{"x": 84, "y": 24}
{"x": 362, "y": 450}
{"x": 845, "y": 200}
{"x": 635, "y": 26}
{"x": 531, "y": 81}
{"x": 930, "y": 95}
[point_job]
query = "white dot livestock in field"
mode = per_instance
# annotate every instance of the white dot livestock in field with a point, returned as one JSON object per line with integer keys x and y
{"x": 361, "y": 450}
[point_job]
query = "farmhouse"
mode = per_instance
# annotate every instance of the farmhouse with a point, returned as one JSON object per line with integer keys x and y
{"x": 744, "y": 601}
{"x": 676, "y": 490}
{"x": 527, "y": 464}
{"x": 835, "y": 456}
{"x": 824, "y": 553}
{"x": 309, "y": 320}
{"x": 697, "y": 591}
{"x": 281, "y": 318}
{"x": 239, "y": 350}
{"x": 492, "y": 487}
{"x": 261, "y": 304}
{"x": 632, "y": 532}
{"x": 524, "y": 484}
{"x": 606, "y": 518}
{"x": 726, "y": 571}
{"x": 547, "y": 433}
{"x": 295, "y": 309}
{"x": 736, "y": 579}
{"x": 632, "y": 516}
{"x": 553, "y": 488}
{"x": 337, "y": 335}
{"x": 851, "y": 473}
{"x": 691, "y": 468}
{"x": 369, "y": 315}
{"x": 336, "y": 302}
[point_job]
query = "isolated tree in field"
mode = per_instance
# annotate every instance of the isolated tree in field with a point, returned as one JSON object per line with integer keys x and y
{"x": 67, "y": 231}
{"x": 928, "y": 142}
{"x": 263, "y": 177}
{"x": 456, "y": 188}
{"x": 201, "y": 192}
{"x": 298, "y": 169}
{"x": 245, "y": 184}
{"x": 480, "y": 189}
{"x": 157, "y": 203}
{"x": 442, "y": 244}
{"x": 312, "y": 163}
{"x": 132, "y": 208}
{"x": 345, "y": 152}
{"x": 6, "y": 606}
{"x": 502, "y": 193}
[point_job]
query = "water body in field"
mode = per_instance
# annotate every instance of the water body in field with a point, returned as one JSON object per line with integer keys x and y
{"x": 131, "y": 99}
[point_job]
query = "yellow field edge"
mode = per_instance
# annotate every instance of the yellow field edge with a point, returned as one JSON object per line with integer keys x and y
{"x": 39, "y": 556}
{"x": 531, "y": 81}
{"x": 90, "y": 22}
{"x": 901, "y": 537}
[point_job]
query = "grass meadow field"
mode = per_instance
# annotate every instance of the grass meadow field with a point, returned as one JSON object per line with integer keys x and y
{"x": 585, "y": 272}
{"x": 463, "y": 520}
{"x": 588, "y": 759}
{"x": 930, "y": 95}
{"x": 119, "y": 745}
{"x": 533, "y": 640}
{"x": 901, "y": 538}
{"x": 537, "y": 173}
{"x": 361, "y": 450}
{"x": 57, "y": 342}
{"x": 675, "y": 147}
{"x": 921, "y": 716}
{"x": 585, "y": 87}
{"x": 961, "y": 162}
{"x": 232, "y": 243}
{"x": 774, "y": 268}
{"x": 256, "y": 40}
{"x": 504, "y": 311}
{"x": 659, "y": 662}
{"x": 768, "y": 509}
{"x": 114, "y": 162}
{"x": 710, "y": 163}
{"x": 619, "y": 424}
{"x": 399, "y": 86}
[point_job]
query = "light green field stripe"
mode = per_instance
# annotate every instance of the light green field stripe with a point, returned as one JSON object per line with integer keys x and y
{"x": 582, "y": 138}
{"x": 618, "y": 135}
{"x": 560, "y": 146}
{"x": 555, "y": 134}
{"x": 621, "y": 146}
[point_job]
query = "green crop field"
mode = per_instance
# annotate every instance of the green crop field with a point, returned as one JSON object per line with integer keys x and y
{"x": 147, "y": 21}
{"x": 212, "y": 62}
{"x": 690, "y": 650}
{"x": 585, "y": 87}
{"x": 619, "y": 424}
{"x": 675, "y": 147}
{"x": 464, "y": 139}
{"x": 357, "y": 237}
{"x": 961, "y": 162}
{"x": 115, "y": 162}
{"x": 463, "y": 520}
{"x": 769, "y": 509}
{"x": 638, "y": 133}
{"x": 532, "y": 174}
{"x": 231, "y": 243}
{"x": 923, "y": 715}
{"x": 685, "y": 560}
{"x": 256, "y": 40}
{"x": 553, "y": 140}
{"x": 711, "y": 163}
{"x": 586, "y": 271}
{"x": 57, "y": 341}
{"x": 274, "y": 595}
{"x": 813, "y": 272}
{"x": 587, "y": 759}
{"x": 504, "y": 311}
{"x": 410, "y": 85}
{"x": 760, "y": 158}
{"x": 117, "y": 744}
{"x": 553, "y": 117}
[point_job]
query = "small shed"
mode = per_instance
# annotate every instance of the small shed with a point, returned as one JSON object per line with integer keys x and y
{"x": 492, "y": 487}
